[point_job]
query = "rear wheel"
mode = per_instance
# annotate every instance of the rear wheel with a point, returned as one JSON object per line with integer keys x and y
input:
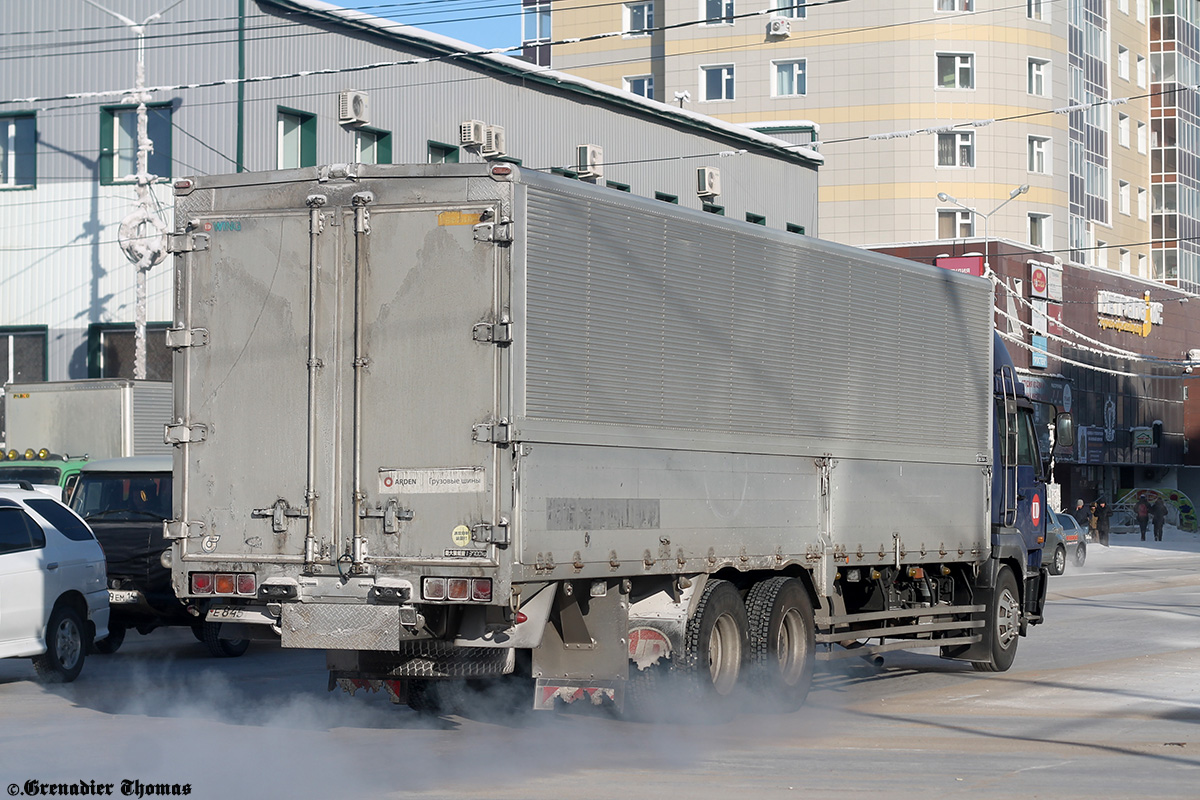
{"x": 782, "y": 643}
{"x": 716, "y": 640}
{"x": 65, "y": 650}
{"x": 222, "y": 648}
{"x": 1003, "y": 623}
{"x": 1058, "y": 565}
{"x": 1080, "y": 554}
{"x": 111, "y": 643}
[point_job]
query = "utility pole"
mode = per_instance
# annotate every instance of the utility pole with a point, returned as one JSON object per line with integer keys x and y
{"x": 142, "y": 235}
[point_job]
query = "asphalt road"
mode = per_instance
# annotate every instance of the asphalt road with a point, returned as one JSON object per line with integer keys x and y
{"x": 1103, "y": 701}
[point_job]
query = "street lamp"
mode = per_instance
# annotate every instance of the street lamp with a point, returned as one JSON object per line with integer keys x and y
{"x": 1020, "y": 190}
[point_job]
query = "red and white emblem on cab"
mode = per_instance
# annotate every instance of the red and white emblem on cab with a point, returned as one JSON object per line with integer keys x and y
{"x": 1035, "y": 511}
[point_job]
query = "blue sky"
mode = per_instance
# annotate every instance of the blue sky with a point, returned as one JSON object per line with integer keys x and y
{"x": 478, "y": 22}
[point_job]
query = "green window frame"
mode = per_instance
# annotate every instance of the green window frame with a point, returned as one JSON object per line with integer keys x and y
{"x": 794, "y": 228}
{"x": 381, "y": 141}
{"x": 440, "y": 153}
{"x": 755, "y": 219}
{"x": 18, "y": 151}
{"x": 108, "y": 358}
{"x": 667, "y": 198}
{"x": 712, "y": 208}
{"x": 304, "y": 154}
{"x": 566, "y": 173}
{"x": 118, "y": 142}
{"x": 620, "y": 187}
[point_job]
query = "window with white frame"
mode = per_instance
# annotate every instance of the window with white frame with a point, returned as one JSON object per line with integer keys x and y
{"x": 372, "y": 146}
{"x": 791, "y": 78}
{"x": 1141, "y": 137}
{"x": 718, "y": 12}
{"x": 639, "y": 19}
{"x": 955, "y": 71}
{"x": 1141, "y": 10}
{"x": 1039, "y": 230}
{"x": 641, "y": 85}
{"x": 1123, "y": 6}
{"x": 18, "y": 151}
{"x": 119, "y": 142}
{"x": 955, "y": 5}
{"x": 792, "y": 9}
{"x": 1141, "y": 71}
{"x": 1143, "y": 203}
{"x": 1123, "y": 62}
{"x": 1039, "y": 77}
{"x": 1142, "y": 273}
{"x": 296, "y": 142}
{"x": 954, "y": 223}
{"x": 1123, "y": 129}
{"x": 956, "y": 149}
{"x": 716, "y": 82}
{"x": 1101, "y": 254}
{"x": 1123, "y": 197}
{"x": 1039, "y": 154}
{"x": 1124, "y": 261}
{"x": 536, "y": 22}
{"x": 1038, "y": 10}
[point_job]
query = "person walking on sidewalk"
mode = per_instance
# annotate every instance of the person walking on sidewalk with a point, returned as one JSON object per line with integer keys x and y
{"x": 1142, "y": 509}
{"x": 1158, "y": 513}
{"x": 1103, "y": 512}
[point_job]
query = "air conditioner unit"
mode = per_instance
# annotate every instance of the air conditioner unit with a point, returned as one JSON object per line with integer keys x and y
{"x": 708, "y": 181}
{"x": 471, "y": 133}
{"x": 352, "y": 108}
{"x": 590, "y": 160}
{"x": 779, "y": 27}
{"x": 493, "y": 142}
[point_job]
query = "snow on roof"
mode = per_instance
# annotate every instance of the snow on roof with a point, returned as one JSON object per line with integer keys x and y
{"x": 488, "y": 58}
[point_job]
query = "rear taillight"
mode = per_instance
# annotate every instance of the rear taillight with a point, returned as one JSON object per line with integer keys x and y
{"x": 246, "y": 583}
{"x": 243, "y": 584}
{"x": 433, "y": 588}
{"x": 477, "y": 590}
{"x": 481, "y": 589}
{"x": 202, "y": 583}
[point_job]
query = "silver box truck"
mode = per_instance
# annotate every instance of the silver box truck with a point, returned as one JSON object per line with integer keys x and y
{"x": 449, "y": 421}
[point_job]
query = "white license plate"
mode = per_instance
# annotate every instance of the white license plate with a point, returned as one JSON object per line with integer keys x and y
{"x": 124, "y": 596}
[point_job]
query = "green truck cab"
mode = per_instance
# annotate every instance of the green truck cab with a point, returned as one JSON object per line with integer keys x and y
{"x": 42, "y": 468}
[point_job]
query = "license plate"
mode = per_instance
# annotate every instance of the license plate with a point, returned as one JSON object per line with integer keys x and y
{"x": 122, "y": 596}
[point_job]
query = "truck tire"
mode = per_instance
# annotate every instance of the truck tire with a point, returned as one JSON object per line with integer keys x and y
{"x": 65, "y": 649}
{"x": 716, "y": 641}
{"x": 1003, "y": 628}
{"x": 222, "y": 648}
{"x": 1058, "y": 564}
{"x": 1080, "y": 554}
{"x": 111, "y": 643}
{"x": 782, "y": 641}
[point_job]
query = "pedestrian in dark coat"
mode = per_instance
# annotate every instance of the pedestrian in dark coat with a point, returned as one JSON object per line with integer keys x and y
{"x": 1081, "y": 514}
{"x": 1142, "y": 510}
{"x": 1158, "y": 513}
{"x": 1103, "y": 512}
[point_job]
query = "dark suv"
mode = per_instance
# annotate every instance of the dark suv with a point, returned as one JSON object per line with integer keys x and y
{"x": 125, "y": 501}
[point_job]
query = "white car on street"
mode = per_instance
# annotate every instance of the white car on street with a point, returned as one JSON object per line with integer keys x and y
{"x": 53, "y": 601}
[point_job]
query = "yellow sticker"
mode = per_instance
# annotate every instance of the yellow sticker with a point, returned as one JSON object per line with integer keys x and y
{"x": 458, "y": 218}
{"x": 461, "y": 536}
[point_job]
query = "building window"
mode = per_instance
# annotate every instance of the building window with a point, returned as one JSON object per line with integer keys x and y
{"x": 296, "y": 139}
{"x": 18, "y": 151}
{"x": 536, "y": 22}
{"x": 620, "y": 187}
{"x": 438, "y": 153}
{"x": 791, "y": 78}
{"x": 712, "y": 208}
{"x": 717, "y": 82}
{"x": 22, "y": 354}
{"x": 666, "y": 198}
{"x": 1123, "y": 196}
{"x": 1143, "y": 205}
{"x": 955, "y": 5}
{"x": 1141, "y": 71}
{"x": 1101, "y": 254}
{"x": 1039, "y": 77}
{"x": 955, "y": 224}
{"x": 755, "y": 219}
{"x": 718, "y": 12}
{"x": 956, "y": 71}
{"x": 372, "y": 146}
{"x": 1124, "y": 261}
{"x": 1038, "y": 10}
{"x": 956, "y": 149}
{"x": 1123, "y": 6}
{"x": 641, "y": 85}
{"x": 639, "y": 19}
{"x": 792, "y": 9}
{"x": 1141, "y": 10}
{"x": 1141, "y": 137}
{"x": 111, "y": 351}
{"x": 794, "y": 228}
{"x": 1039, "y": 154}
{"x": 1142, "y": 273}
{"x": 1122, "y": 62}
{"x": 1123, "y": 129}
{"x": 118, "y": 143}
{"x": 1039, "y": 231}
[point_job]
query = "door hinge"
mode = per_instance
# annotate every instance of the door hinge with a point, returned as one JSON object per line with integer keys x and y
{"x": 491, "y": 533}
{"x": 498, "y": 432}
{"x": 391, "y": 513}
{"x": 184, "y": 434}
{"x": 187, "y": 243}
{"x": 181, "y": 529}
{"x": 499, "y": 333}
{"x": 499, "y": 232}
{"x": 179, "y": 338}
{"x": 279, "y": 512}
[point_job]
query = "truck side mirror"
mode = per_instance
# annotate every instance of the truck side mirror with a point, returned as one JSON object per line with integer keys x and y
{"x": 1064, "y": 429}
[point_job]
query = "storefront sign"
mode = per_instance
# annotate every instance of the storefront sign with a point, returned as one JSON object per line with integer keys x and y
{"x": 970, "y": 265}
{"x": 1135, "y": 315}
{"x": 1039, "y": 279}
{"x": 1037, "y": 357}
{"x": 1142, "y": 437}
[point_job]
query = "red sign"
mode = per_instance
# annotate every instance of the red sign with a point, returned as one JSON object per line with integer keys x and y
{"x": 971, "y": 265}
{"x": 1054, "y": 314}
{"x": 1038, "y": 279}
{"x": 1035, "y": 511}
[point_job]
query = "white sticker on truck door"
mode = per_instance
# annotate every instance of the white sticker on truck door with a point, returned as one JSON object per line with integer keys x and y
{"x": 431, "y": 481}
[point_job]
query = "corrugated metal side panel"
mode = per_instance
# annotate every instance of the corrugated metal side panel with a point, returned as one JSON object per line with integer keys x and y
{"x": 668, "y": 321}
{"x": 152, "y": 408}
